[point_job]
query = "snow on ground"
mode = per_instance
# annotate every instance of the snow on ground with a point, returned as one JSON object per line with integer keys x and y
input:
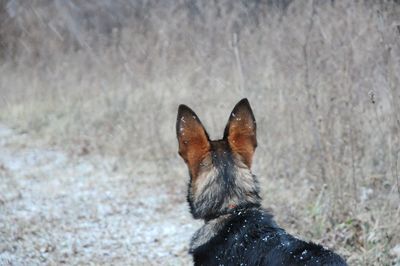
{"x": 56, "y": 208}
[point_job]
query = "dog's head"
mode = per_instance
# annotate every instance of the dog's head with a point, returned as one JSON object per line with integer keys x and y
{"x": 220, "y": 176}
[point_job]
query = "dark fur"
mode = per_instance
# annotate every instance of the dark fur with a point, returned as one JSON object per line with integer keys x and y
{"x": 224, "y": 192}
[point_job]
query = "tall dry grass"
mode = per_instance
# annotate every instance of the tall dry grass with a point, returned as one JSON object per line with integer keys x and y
{"x": 322, "y": 77}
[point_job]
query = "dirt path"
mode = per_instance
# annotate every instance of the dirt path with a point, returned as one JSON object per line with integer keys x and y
{"x": 57, "y": 208}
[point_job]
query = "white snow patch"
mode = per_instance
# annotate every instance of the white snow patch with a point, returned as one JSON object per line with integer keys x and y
{"x": 56, "y": 209}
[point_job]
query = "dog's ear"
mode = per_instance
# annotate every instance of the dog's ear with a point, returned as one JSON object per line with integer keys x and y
{"x": 240, "y": 132}
{"x": 193, "y": 139}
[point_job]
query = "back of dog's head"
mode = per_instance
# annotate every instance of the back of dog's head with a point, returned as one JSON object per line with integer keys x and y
{"x": 220, "y": 176}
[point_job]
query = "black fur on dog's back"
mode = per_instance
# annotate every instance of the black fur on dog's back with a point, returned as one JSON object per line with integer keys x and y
{"x": 251, "y": 237}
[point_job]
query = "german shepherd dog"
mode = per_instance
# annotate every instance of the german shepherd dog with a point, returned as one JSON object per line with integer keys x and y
{"x": 225, "y": 194}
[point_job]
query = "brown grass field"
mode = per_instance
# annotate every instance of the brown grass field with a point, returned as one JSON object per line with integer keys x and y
{"x": 100, "y": 82}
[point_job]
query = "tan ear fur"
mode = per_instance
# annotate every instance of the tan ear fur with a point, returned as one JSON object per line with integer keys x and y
{"x": 240, "y": 132}
{"x": 193, "y": 139}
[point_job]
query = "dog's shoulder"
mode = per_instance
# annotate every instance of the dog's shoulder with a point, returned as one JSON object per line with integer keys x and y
{"x": 226, "y": 225}
{"x": 251, "y": 236}
{"x": 207, "y": 232}
{"x": 225, "y": 240}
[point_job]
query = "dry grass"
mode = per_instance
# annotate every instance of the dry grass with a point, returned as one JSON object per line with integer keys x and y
{"x": 323, "y": 79}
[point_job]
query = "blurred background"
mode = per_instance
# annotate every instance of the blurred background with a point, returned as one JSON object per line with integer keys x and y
{"x": 99, "y": 82}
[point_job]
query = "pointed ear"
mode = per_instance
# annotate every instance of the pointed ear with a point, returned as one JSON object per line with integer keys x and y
{"x": 240, "y": 132}
{"x": 192, "y": 137}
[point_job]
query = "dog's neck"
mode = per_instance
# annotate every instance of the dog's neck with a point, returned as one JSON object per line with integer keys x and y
{"x": 232, "y": 209}
{"x": 213, "y": 225}
{"x": 221, "y": 189}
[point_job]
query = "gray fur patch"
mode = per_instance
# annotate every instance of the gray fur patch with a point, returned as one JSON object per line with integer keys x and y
{"x": 208, "y": 231}
{"x": 218, "y": 188}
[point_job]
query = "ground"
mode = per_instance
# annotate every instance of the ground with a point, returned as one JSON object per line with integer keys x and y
{"x": 68, "y": 207}
{"x": 58, "y": 208}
